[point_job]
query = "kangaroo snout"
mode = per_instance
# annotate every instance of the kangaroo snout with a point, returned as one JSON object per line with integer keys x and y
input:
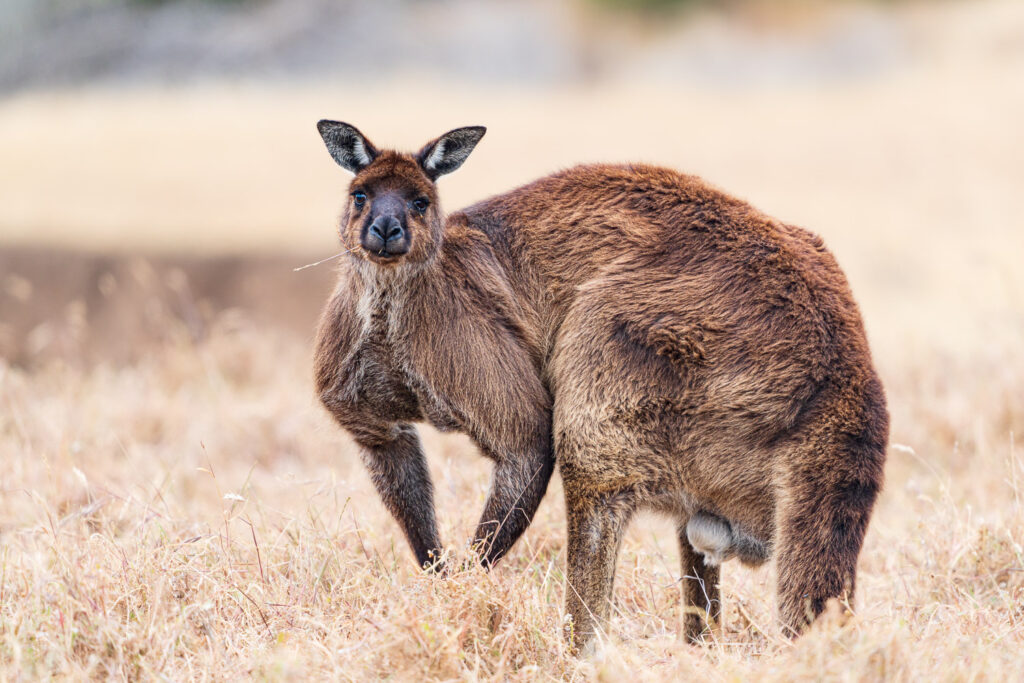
{"x": 385, "y": 236}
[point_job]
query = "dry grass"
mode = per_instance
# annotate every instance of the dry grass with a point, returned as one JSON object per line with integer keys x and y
{"x": 195, "y": 515}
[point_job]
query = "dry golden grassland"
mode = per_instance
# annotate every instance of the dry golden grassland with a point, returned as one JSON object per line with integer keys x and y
{"x": 194, "y": 514}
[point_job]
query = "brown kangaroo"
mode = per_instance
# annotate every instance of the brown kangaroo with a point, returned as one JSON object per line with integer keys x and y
{"x": 668, "y": 346}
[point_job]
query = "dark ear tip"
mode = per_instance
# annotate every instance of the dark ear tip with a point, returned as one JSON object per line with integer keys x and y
{"x": 328, "y": 124}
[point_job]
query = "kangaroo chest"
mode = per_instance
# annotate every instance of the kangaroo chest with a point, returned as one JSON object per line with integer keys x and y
{"x": 389, "y": 381}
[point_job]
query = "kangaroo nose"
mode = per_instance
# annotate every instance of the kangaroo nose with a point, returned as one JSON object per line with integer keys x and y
{"x": 386, "y": 228}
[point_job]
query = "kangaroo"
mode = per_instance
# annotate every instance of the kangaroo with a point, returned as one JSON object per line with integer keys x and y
{"x": 668, "y": 346}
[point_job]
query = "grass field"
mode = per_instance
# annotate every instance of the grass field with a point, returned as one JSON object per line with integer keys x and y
{"x": 192, "y": 513}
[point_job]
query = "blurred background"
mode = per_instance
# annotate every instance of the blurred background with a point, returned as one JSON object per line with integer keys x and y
{"x": 180, "y": 134}
{"x": 161, "y": 176}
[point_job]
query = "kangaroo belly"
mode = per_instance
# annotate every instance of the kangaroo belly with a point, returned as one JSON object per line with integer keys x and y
{"x": 719, "y": 540}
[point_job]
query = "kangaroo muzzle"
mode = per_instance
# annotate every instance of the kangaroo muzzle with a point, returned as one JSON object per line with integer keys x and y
{"x": 385, "y": 236}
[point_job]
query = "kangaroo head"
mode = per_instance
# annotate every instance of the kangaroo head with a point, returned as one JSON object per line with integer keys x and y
{"x": 392, "y": 214}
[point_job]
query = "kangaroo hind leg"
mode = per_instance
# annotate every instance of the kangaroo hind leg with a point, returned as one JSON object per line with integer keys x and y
{"x": 702, "y": 600}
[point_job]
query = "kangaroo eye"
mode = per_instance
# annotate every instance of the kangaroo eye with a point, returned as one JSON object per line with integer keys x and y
{"x": 359, "y": 198}
{"x": 420, "y": 204}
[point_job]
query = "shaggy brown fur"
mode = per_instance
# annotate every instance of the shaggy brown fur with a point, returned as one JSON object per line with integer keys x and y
{"x": 669, "y": 346}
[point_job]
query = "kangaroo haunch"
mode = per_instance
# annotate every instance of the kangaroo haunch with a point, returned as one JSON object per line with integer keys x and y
{"x": 667, "y": 346}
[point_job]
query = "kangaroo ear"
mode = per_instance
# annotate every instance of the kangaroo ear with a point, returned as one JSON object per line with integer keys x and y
{"x": 447, "y": 153}
{"x": 347, "y": 145}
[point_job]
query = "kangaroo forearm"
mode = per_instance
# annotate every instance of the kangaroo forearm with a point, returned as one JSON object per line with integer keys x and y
{"x": 517, "y": 487}
{"x": 399, "y": 472}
